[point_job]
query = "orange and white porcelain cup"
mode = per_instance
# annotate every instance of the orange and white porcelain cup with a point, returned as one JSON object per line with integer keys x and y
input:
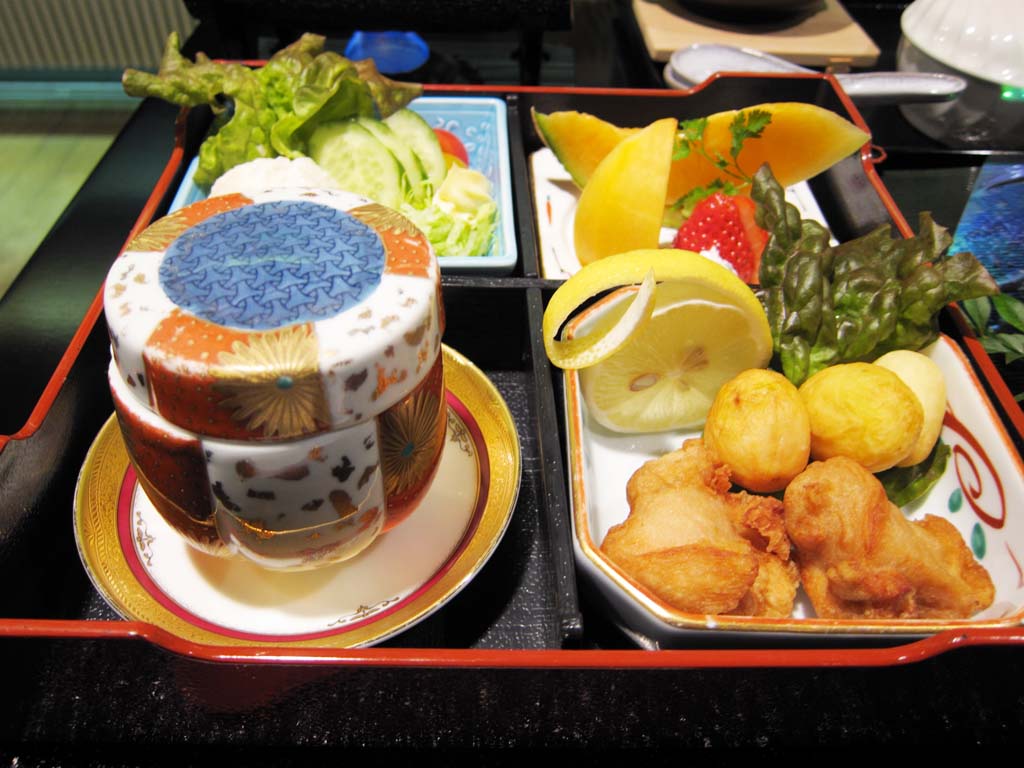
{"x": 277, "y": 372}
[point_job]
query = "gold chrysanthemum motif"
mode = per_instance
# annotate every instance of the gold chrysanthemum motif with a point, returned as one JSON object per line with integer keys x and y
{"x": 409, "y": 441}
{"x": 380, "y": 217}
{"x": 160, "y": 234}
{"x": 273, "y": 384}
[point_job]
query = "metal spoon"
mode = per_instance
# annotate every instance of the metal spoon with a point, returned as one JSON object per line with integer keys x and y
{"x": 696, "y": 63}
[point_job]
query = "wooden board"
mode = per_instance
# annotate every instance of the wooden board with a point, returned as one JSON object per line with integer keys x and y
{"x": 829, "y": 36}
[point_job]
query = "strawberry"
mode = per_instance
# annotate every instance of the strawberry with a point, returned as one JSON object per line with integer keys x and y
{"x": 726, "y": 221}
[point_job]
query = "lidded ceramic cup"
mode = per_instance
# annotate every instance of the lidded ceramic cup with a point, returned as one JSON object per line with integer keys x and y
{"x": 276, "y": 372}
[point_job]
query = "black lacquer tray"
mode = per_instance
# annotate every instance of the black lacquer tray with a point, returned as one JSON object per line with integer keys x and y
{"x": 525, "y": 608}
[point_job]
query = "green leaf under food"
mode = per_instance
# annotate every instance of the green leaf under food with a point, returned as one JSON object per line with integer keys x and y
{"x": 978, "y": 312}
{"x": 905, "y": 484}
{"x": 1010, "y": 313}
{"x": 1010, "y": 309}
{"x": 272, "y": 110}
{"x": 857, "y": 300}
{"x": 1009, "y": 344}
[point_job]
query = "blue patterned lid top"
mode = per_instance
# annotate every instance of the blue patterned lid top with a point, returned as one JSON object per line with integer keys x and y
{"x": 273, "y": 264}
{"x": 286, "y": 313}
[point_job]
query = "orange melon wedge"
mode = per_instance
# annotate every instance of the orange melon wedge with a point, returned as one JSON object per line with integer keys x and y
{"x": 801, "y": 141}
{"x": 621, "y": 207}
{"x": 579, "y": 140}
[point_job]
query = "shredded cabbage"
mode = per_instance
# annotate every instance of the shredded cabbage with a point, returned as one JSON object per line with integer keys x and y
{"x": 462, "y": 216}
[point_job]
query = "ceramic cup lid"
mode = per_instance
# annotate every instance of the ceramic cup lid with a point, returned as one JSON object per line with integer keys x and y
{"x": 984, "y": 39}
{"x": 286, "y": 313}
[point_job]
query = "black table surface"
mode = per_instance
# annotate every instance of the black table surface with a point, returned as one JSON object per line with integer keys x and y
{"x": 125, "y": 702}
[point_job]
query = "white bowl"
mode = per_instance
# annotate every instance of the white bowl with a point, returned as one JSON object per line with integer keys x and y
{"x": 981, "y": 41}
{"x": 982, "y": 38}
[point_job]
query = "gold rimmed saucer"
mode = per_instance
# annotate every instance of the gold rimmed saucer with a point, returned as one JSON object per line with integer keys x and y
{"x": 146, "y": 572}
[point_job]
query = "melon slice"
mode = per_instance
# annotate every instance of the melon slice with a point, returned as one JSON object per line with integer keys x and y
{"x": 801, "y": 141}
{"x": 621, "y": 207}
{"x": 579, "y": 140}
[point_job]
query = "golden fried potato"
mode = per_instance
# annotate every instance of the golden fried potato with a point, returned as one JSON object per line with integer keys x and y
{"x": 862, "y": 411}
{"x": 925, "y": 379}
{"x": 759, "y": 426}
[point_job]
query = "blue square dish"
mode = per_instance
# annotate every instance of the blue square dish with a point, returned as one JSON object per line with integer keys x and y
{"x": 481, "y": 124}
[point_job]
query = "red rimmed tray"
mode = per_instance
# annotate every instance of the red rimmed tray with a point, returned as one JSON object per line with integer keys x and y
{"x": 524, "y": 292}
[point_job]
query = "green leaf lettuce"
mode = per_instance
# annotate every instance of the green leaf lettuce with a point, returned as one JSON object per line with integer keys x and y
{"x": 272, "y": 110}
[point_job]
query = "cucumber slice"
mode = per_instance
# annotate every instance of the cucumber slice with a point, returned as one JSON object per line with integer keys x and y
{"x": 416, "y": 186}
{"x": 418, "y": 135}
{"x": 358, "y": 161}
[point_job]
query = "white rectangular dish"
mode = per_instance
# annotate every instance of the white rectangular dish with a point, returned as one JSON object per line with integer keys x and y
{"x": 978, "y": 493}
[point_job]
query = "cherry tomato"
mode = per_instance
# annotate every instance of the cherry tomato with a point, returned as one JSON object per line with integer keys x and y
{"x": 451, "y": 145}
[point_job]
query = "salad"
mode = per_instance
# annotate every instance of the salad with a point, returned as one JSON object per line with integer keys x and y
{"x": 308, "y": 102}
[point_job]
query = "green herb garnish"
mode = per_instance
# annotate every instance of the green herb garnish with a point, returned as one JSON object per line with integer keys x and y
{"x": 994, "y": 335}
{"x": 857, "y": 300}
{"x": 746, "y": 124}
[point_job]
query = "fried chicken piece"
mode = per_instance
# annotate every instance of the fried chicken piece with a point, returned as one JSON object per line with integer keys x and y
{"x": 859, "y": 557}
{"x": 698, "y": 547}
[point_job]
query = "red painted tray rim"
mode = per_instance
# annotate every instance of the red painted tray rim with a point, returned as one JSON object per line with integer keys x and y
{"x": 917, "y": 650}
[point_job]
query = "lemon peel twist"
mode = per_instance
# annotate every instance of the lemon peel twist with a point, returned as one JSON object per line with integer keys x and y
{"x": 645, "y": 267}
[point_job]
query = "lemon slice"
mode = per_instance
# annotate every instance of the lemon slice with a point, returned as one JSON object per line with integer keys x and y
{"x": 705, "y": 326}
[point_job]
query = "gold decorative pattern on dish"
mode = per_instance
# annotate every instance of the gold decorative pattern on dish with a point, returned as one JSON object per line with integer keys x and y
{"x": 273, "y": 382}
{"x": 409, "y": 441}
